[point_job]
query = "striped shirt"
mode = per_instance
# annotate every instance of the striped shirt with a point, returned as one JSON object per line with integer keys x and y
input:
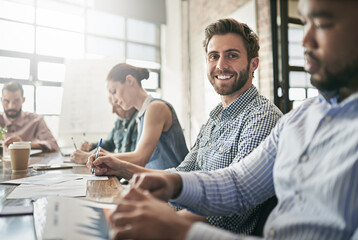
{"x": 310, "y": 160}
{"x": 229, "y": 135}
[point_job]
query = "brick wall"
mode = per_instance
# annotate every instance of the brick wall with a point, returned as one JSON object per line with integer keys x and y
{"x": 196, "y": 15}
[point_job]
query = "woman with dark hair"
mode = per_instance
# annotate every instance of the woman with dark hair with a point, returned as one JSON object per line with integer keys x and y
{"x": 160, "y": 142}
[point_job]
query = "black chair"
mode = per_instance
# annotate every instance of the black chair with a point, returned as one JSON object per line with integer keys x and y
{"x": 266, "y": 210}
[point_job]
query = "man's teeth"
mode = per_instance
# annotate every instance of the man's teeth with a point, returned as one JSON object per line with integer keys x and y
{"x": 224, "y": 77}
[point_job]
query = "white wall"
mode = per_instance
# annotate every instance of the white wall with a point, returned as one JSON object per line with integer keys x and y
{"x": 173, "y": 87}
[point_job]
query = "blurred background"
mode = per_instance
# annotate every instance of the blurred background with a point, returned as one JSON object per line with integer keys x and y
{"x": 62, "y": 50}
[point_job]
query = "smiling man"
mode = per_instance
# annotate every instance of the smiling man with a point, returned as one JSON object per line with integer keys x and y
{"x": 24, "y": 126}
{"x": 236, "y": 126}
{"x": 310, "y": 159}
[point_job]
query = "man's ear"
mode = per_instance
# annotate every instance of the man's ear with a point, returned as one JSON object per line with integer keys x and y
{"x": 254, "y": 63}
{"x": 23, "y": 99}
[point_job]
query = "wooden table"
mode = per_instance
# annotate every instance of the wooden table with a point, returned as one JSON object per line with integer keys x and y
{"x": 22, "y": 227}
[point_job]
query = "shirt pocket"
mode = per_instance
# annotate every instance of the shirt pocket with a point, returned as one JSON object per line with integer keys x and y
{"x": 223, "y": 147}
{"x": 203, "y": 141}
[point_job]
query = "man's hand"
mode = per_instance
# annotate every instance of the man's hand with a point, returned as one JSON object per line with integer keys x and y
{"x": 10, "y": 140}
{"x": 141, "y": 216}
{"x": 86, "y": 146}
{"x": 162, "y": 185}
{"x": 80, "y": 156}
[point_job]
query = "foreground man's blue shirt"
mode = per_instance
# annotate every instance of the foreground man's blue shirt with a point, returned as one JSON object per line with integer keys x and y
{"x": 310, "y": 160}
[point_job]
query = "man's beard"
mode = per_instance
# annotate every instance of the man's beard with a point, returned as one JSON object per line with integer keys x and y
{"x": 12, "y": 113}
{"x": 346, "y": 77}
{"x": 237, "y": 85}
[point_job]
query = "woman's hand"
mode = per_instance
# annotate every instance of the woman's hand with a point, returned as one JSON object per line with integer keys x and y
{"x": 80, "y": 156}
{"x": 106, "y": 164}
{"x": 86, "y": 146}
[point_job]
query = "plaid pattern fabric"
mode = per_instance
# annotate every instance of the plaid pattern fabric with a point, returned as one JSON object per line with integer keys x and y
{"x": 123, "y": 137}
{"x": 228, "y": 136}
{"x": 310, "y": 160}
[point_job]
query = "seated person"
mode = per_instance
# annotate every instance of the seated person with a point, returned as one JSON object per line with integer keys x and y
{"x": 236, "y": 126}
{"x": 122, "y": 138}
{"x": 23, "y": 126}
{"x": 160, "y": 141}
{"x": 310, "y": 159}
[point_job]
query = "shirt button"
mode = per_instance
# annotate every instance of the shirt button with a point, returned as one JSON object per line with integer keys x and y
{"x": 304, "y": 158}
{"x": 272, "y": 233}
{"x": 125, "y": 130}
{"x": 200, "y": 162}
{"x": 220, "y": 149}
{"x": 328, "y": 118}
{"x": 298, "y": 197}
{"x": 209, "y": 143}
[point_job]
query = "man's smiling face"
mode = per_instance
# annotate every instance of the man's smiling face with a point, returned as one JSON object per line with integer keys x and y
{"x": 228, "y": 69}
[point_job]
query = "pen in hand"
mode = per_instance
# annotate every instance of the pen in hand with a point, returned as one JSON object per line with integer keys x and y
{"x": 97, "y": 152}
{"x": 74, "y": 144}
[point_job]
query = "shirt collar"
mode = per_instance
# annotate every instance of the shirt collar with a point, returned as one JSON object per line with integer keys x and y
{"x": 144, "y": 106}
{"x": 127, "y": 121}
{"x": 16, "y": 122}
{"x": 234, "y": 108}
{"x": 331, "y": 97}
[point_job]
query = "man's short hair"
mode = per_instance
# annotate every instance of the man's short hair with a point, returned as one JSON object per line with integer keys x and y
{"x": 13, "y": 87}
{"x": 230, "y": 25}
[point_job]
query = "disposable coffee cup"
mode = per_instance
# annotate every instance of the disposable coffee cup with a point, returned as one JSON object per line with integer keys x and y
{"x": 19, "y": 155}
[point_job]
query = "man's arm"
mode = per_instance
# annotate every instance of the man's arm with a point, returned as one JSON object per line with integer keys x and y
{"x": 44, "y": 138}
{"x": 234, "y": 189}
{"x": 203, "y": 231}
{"x": 109, "y": 165}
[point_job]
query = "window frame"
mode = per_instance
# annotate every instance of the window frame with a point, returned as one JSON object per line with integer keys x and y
{"x": 36, "y": 58}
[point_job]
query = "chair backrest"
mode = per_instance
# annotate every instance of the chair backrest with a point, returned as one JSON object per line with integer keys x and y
{"x": 266, "y": 210}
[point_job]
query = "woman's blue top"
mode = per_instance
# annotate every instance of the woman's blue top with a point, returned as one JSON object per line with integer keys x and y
{"x": 171, "y": 148}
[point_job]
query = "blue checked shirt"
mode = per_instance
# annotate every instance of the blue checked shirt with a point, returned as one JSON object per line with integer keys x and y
{"x": 229, "y": 135}
{"x": 310, "y": 160}
{"x": 122, "y": 138}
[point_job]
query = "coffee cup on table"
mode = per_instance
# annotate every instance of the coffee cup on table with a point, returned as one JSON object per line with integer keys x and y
{"x": 19, "y": 155}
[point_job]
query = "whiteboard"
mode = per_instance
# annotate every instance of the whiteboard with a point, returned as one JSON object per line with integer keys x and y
{"x": 85, "y": 106}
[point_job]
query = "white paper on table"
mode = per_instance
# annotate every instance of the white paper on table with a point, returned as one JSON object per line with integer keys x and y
{"x": 63, "y": 161}
{"x": 53, "y": 178}
{"x": 71, "y": 164}
{"x": 70, "y": 218}
{"x": 74, "y": 188}
{"x": 45, "y": 179}
{"x": 93, "y": 177}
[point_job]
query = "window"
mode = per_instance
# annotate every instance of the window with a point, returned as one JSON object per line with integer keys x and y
{"x": 292, "y": 82}
{"x": 37, "y": 37}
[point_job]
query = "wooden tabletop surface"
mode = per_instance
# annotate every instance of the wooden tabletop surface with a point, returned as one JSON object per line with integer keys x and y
{"x": 22, "y": 227}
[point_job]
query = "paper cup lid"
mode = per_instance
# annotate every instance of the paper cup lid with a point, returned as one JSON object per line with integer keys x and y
{"x": 19, "y": 146}
{"x": 21, "y": 143}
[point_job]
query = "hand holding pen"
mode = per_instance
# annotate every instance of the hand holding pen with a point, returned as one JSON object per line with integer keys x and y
{"x": 97, "y": 152}
{"x": 74, "y": 144}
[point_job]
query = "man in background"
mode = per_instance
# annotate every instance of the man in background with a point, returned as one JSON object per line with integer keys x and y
{"x": 122, "y": 138}
{"x": 23, "y": 126}
{"x": 310, "y": 159}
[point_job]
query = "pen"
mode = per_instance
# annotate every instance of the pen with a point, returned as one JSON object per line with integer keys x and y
{"x": 97, "y": 151}
{"x": 74, "y": 144}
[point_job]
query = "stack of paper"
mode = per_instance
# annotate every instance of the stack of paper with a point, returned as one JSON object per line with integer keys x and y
{"x": 70, "y": 185}
{"x": 71, "y": 218}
